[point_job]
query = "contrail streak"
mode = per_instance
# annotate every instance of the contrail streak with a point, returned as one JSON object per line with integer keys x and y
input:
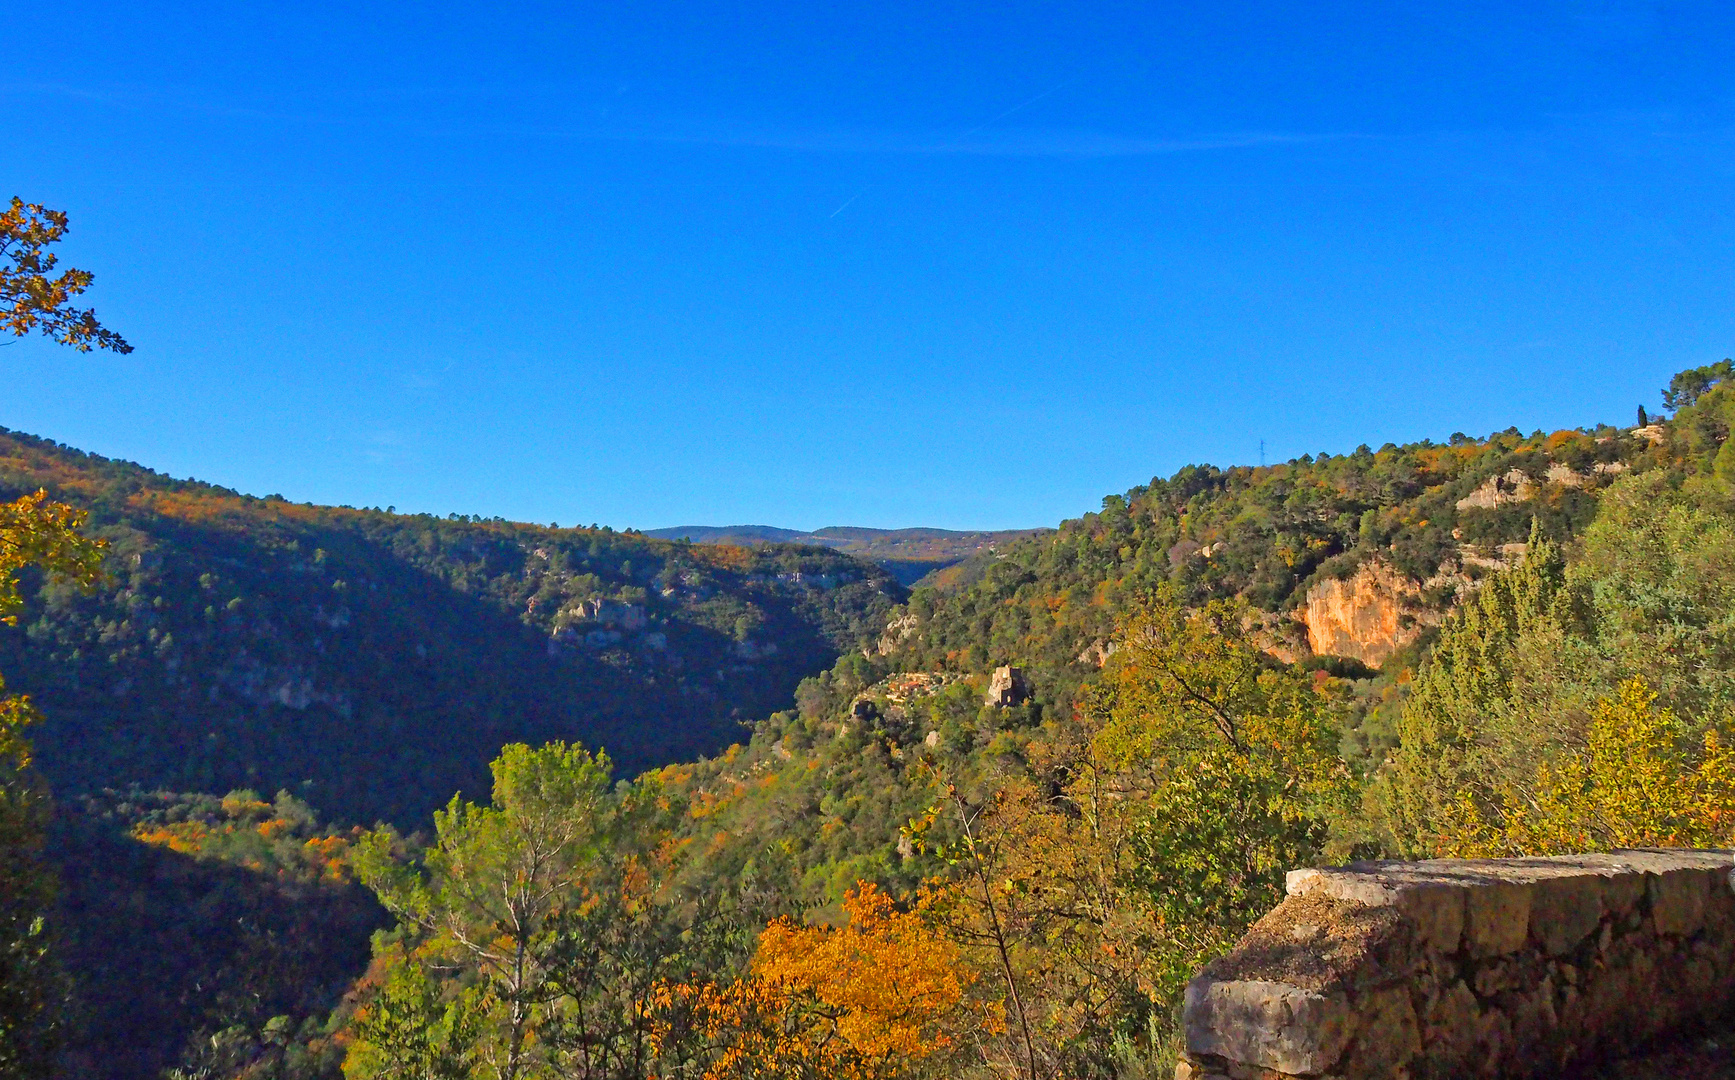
{"x": 1020, "y": 105}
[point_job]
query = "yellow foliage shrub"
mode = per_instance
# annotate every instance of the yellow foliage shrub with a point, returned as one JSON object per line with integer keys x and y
{"x": 1635, "y": 783}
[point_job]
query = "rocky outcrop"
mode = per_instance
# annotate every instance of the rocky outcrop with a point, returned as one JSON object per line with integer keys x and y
{"x": 1096, "y": 654}
{"x": 1513, "y": 487}
{"x": 1504, "y": 557}
{"x": 1565, "y": 475}
{"x": 628, "y": 617}
{"x": 1517, "y": 486}
{"x": 1007, "y": 687}
{"x": 1367, "y": 616}
{"x": 1450, "y": 968}
{"x": 897, "y": 630}
{"x": 267, "y": 684}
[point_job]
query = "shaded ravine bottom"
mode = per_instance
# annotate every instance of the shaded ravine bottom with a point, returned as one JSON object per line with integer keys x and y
{"x": 162, "y": 948}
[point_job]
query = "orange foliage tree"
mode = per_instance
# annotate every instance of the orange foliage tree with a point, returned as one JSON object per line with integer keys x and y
{"x": 32, "y": 296}
{"x": 880, "y": 997}
{"x": 33, "y": 532}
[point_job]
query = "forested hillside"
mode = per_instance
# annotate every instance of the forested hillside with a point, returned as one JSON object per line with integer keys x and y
{"x": 1052, "y": 605}
{"x": 214, "y": 932}
{"x": 1086, "y": 837}
{"x": 909, "y": 554}
{"x": 1440, "y": 516}
{"x": 372, "y": 662}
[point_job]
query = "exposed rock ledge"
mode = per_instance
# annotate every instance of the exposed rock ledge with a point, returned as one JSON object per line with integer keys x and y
{"x": 1449, "y": 968}
{"x": 897, "y": 630}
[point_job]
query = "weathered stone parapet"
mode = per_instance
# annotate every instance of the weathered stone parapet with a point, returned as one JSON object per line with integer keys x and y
{"x": 1461, "y": 968}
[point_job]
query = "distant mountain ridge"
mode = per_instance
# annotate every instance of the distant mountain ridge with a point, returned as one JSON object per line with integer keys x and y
{"x": 909, "y": 554}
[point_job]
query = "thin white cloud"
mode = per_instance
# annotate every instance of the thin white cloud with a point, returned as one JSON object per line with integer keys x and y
{"x": 1015, "y": 143}
{"x": 979, "y": 141}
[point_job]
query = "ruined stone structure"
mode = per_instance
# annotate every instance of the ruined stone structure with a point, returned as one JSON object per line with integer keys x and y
{"x": 1467, "y": 968}
{"x": 1007, "y": 686}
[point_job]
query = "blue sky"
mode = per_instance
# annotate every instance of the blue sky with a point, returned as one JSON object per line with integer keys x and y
{"x": 888, "y": 264}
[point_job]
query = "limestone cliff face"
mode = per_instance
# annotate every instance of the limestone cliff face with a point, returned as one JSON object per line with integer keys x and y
{"x": 1368, "y": 616}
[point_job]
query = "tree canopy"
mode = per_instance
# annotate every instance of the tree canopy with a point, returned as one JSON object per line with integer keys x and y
{"x": 32, "y": 296}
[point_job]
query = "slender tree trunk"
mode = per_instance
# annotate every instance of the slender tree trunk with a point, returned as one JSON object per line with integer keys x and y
{"x": 1000, "y": 946}
{"x": 515, "y": 1041}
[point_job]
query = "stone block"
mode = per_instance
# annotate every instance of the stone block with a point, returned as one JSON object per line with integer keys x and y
{"x": 1008, "y": 686}
{"x": 1267, "y": 1024}
{"x": 1495, "y": 978}
{"x": 1493, "y": 1041}
{"x": 1449, "y": 1029}
{"x": 1571, "y": 1012}
{"x": 1565, "y": 910}
{"x": 1435, "y": 906}
{"x": 1438, "y": 912}
{"x": 1453, "y": 1013}
{"x": 1498, "y": 918}
{"x": 1678, "y": 900}
{"x": 1621, "y": 893}
{"x": 1387, "y": 1035}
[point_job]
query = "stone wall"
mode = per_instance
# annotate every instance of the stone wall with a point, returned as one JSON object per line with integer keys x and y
{"x": 1462, "y": 968}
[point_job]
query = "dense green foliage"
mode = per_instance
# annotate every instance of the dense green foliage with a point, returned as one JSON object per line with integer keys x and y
{"x": 373, "y": 662}
{"x": 1519, "y": 672}
{"x": 535, "y": 931}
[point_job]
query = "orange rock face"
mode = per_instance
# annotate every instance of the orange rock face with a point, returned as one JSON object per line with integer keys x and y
{"x": 1368, "y": 616}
